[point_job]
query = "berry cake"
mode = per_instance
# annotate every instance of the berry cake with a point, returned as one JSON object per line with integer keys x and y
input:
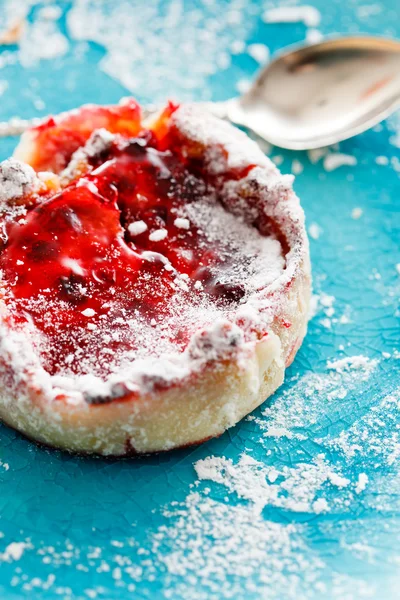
{"x": 155, "y": 279}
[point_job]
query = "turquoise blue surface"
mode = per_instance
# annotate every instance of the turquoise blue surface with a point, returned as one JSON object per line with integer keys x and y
{"x": 117, "y": 529}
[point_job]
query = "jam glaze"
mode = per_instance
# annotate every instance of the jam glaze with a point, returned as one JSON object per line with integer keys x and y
{"x": 99, "y": 290}
{"x": 59, "y": 137}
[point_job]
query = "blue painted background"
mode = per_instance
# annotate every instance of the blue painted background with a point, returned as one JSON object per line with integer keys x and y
{"x": 77, "y": 515}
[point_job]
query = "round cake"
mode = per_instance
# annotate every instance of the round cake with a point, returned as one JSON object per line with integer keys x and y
{"x": 155, "y": 279}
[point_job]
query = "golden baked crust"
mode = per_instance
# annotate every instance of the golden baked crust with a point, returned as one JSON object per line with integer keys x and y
{"x": 227, "y": 368}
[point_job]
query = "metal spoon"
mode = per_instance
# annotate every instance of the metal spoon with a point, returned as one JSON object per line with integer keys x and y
{"x": 312, "y": 96}
{"x": 316, "y": 95}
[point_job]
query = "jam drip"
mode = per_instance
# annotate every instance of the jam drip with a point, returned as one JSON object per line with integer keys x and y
{"x": 125, "y": 262}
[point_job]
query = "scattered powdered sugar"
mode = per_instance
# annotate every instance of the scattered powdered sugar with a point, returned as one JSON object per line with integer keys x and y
{"x": 243, "y": 85}
{"x": 158, "y": 235}
{"x": 4, "y": 465}
{"x": 99, "y": 141}
{"x": 353, "y": 363}
{"x": 207, "y": 548}
{"x": 41, "y": 39}
{"x": 323, "y": 304}
{"x": 260, "y": 52}
{"x": 182, "y": 223}
{"x": 299, "y": 406}
{"x": 16, "y": 180}
{"x": 221, "y": 550}
{"x": 215, "y": 541}
{"x": 361, "y": 483}
{"x": 382, "y": 160}
{"x": 88, "y": 312}
{"x": 258, "y": 259}
{"x": 227, "y": 147}
{"x": 50, "y": 13}
{"x": 14, "y": 551}
{"x": 334, "y": 160}
{"x": 314, "y": 230}
{"x": 367, "y": 440}
{"x": 211, "y": 545}
{"x": 331, "y": 159}
{"x": 316, "y": 154}
{"x": 141, "y": 47}
{"x": 297, "y": 167}
{"x": 366, "y": 11}
{"x": 292, "y": 488}
{"x": 309, "y": 15}
{"x": 137, "y": 228}
{"x": 314, "y": 36}
{"x": 356, "y": 213}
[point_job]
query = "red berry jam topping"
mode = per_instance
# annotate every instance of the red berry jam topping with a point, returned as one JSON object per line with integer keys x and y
{"x": 131, "y": 257}
{"x": 58, "y": 138}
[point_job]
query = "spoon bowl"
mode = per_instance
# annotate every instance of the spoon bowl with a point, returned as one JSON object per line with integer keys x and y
{"x": 320, "y": 94}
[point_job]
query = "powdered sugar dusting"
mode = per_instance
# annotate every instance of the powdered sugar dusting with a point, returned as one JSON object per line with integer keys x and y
{"x": 227, "y": 148}
{"x": 158, "y": 235}
{"x": 247, "y": 260}
{"x": 309, "y": 15}
{"x": 137, "y": 44}
{"x": 99, "y": 141}
{"x": 220, "y": 541}
{"x": 14, "y": 551}
{"x": 258, "y": 259}
{"x": 137, "y": 228}
{"x": 335, "y": 160}
{"x": 295, "y": 489}
{"x": 353, "y": 363}
{"x": 16, "y": 180}
{"x": 215, "y": 540}
{"x": 182, "y": 223}
{"x": 248, "y": 263}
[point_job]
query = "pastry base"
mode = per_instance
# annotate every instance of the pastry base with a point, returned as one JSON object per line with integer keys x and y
{"x": 200, "y": 407}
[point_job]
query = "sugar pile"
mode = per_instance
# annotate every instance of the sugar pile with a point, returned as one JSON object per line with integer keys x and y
{"x": 293, "y": 488}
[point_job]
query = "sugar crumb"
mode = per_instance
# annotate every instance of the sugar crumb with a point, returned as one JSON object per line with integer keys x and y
{"x": 314, "y": 231}
{"x": 335, "y": 160}
{"x": 137, "y": 228}
{"x": 260, "y": 52}
{"x": 309, "y": 15}
{"x": 361, "y": 483}
{"x": 356, "y": 213}
{"x": 297, "y": 167}
{"x": 88, "y": 312}
{"x": 314, "y": 36}
{"x": 158, "y": 235}
{"x": 182, "y": 223}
